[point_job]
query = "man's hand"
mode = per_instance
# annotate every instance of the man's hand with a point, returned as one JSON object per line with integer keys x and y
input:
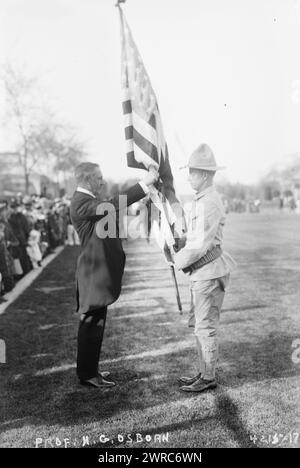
{"x": 151, "y": 177}
{"x": 179, "y": 243}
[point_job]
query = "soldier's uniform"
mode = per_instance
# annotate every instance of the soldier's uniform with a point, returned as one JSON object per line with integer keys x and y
{"x": 208, "y": 265}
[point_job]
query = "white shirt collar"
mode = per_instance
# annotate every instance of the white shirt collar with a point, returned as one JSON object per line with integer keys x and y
{"x": 83, "y": 190}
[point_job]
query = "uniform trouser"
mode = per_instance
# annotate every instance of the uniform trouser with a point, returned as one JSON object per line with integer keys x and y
{"x": 89, "y": 342}
{"x": 206, "y": 301}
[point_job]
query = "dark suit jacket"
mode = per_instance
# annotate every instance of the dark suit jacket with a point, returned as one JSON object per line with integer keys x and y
{"x": 101, "y": 262}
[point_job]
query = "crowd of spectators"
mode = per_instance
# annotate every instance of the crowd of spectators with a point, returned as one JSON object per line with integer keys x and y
{"x": 31, "y": 227}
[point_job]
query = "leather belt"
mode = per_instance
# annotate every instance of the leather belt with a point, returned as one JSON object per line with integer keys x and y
{"x": 210, "y": 256}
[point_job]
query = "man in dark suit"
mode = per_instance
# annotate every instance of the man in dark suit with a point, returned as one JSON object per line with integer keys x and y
{"x": 101, "y": 262}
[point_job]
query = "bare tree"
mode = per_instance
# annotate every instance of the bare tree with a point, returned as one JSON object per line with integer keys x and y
{"x": 23, "y": 115}
{"x": 60, "y": 149}
{"x": 40, "y": 141}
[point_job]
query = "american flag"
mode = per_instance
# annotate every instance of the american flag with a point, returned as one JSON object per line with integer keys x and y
{"x": 145, "y": 141}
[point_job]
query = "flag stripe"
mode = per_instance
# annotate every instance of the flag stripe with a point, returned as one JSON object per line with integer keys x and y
{"x": 145, "y": 141}
{"x": 141, "y": 156}
{"x": 131, "y": 161}
{"x": 129, "y": 132}
{"x": 127, "y": 107}
{"x": 127, "y": 120}
{"x": 143, "y": 128}
{"x": 126, "y": 94}
{"x": 129, "y": 146}
{"x": 145, "y": 145}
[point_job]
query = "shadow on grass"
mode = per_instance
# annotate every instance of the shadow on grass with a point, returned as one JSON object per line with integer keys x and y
{"x": 243, "y": 309}
{"x": 229, "y": 414}
{"x": 58, "y": 399}
{"x": 76, "y": 408}
{"x": 226, "y": 411}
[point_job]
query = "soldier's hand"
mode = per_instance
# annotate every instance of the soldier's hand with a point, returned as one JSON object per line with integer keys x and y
{"x": 152, "y": 176}
{"x": 179, "y": 244}
{"x": 168, "y": 254}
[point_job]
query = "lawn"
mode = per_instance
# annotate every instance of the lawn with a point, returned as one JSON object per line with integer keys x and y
{"x": 147, "y": 345}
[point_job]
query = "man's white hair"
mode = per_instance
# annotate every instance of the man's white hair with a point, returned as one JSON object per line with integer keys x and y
{"x": 84, "y": 171}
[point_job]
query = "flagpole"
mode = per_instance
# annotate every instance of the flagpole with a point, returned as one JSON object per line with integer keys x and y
{"x": 173, "y": 272}
{"x": 177, "y": 289}
{"x": 169, "y": 260}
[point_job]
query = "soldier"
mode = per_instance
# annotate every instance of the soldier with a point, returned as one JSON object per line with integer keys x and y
{"x": 201, "y": 256}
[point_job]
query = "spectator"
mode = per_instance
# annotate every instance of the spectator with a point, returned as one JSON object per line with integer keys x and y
{"x": 281, "y": 202}
{"x": 6, "y": 263}
{"x": 292, "y": 203}
{"x": 28, "y": 212}
{"x": 72, "y": 238}
{"x": 30, "y": 228}
{"x": 257, "y": 205}
{"x": 41, "y": 226}
{"x": 33, "y": 248}
{"x": 53, "y": 228}
{"x": 20, "y": 228}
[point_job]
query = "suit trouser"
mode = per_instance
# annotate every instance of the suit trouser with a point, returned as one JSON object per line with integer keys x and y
{"x": 89, "y": 342}
{"x": 206, "y": 302}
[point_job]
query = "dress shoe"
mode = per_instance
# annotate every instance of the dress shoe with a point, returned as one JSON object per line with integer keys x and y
{"x": 199, "y": 385}
{"x": 189, "y": 380}
{"x": 98, "y": 382}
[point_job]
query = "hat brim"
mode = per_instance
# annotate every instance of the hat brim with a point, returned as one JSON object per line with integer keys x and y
{"x": 211, "y": 168}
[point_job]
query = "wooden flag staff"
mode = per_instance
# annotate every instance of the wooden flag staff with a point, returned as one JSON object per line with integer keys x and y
{"x": 177, "y": 289}
{"x": 169, "y": 260}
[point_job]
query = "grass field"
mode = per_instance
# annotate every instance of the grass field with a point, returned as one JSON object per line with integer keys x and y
{"x": 147, "y": 345}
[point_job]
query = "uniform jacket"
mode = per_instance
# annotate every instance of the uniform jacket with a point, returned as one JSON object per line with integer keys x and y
{"x": 205, "y": 231}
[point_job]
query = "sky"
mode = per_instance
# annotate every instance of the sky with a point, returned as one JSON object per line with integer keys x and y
{"x": 226, "y": 73}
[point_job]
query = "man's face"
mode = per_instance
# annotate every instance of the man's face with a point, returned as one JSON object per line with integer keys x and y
{"x": 197, "y": 179}
{"x": 96, "y": 181}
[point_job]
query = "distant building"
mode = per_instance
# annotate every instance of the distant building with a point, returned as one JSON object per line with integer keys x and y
{"x": 12, "y": 180}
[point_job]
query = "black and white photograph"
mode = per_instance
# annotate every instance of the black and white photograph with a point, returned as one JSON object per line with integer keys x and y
{"x": 149, "y": 226}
